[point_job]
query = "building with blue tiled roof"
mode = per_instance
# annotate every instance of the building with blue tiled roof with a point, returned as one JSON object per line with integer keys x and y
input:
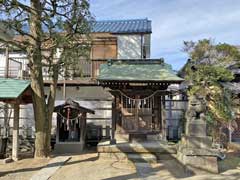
{"x": 110, "y": 39}
{"x": 130, "y": 38}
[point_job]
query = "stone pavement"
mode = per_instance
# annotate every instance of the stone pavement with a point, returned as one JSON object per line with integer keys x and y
{"x": 46, "y": 172}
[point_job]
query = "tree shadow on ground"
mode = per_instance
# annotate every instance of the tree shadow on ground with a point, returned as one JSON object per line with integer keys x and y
{"x": 94, "y": 158}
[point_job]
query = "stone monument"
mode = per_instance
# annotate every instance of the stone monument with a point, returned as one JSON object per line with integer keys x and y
{"x": 195, "y": 148}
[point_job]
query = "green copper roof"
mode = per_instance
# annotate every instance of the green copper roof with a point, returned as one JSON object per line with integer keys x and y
{"x": 141, "y": 70}
{"x": 12, "y": 88}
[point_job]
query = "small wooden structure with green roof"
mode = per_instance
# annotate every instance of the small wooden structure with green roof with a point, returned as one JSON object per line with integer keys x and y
{"x": 15, "y": 92}
{"x": 139, "y": 88}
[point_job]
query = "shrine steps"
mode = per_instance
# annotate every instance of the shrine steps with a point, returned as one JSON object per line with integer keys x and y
{"x": 147, "y": 151}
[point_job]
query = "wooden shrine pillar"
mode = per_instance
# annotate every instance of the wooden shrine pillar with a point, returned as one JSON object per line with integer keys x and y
{"x": 83, "y": 130}
{"x": 136, "y": 111}
{"x": 159, "y": 123}
{"x": 114, "y": 116}
{"x": 15, "y": 141}
{"x": 156, "y": 114}
{"x": 163, "y": 118}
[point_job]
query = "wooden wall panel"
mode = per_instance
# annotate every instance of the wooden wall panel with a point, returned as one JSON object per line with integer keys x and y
{"x": 104, "y": 48}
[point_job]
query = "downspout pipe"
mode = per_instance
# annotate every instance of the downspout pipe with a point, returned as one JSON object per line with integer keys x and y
{"x": 141, "y": 46}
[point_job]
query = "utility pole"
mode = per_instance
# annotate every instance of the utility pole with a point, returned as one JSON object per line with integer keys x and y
{"x": 6, "y": 62}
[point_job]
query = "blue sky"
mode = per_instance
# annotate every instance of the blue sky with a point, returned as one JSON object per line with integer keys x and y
{"x": 175, "y": 21}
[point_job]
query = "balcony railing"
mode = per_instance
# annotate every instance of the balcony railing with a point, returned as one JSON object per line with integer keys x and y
{"x": 85, "y": 69}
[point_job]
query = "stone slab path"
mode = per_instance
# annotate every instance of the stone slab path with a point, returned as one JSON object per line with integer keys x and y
{"x": 46, "y": 172}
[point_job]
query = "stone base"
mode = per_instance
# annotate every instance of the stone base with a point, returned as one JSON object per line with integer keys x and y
{"x": 65, "y": 148}
{"x": 198, "y": 164}
{"x": 197, "y": 155}
{"x": 196, "y": 142}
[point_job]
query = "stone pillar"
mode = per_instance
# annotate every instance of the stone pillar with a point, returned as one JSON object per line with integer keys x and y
{"x": 15, "y": 141}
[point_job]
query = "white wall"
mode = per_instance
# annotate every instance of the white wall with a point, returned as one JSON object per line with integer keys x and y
{"x": 129, "y": 46}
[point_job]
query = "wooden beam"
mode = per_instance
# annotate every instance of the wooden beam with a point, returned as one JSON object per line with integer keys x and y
{"x": 15, "y": 141}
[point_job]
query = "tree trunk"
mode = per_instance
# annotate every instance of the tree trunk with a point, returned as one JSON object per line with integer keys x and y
{"x": 42, "y": 146}
{"x": 43, "y": 111}
{"x": 51, "y": 99}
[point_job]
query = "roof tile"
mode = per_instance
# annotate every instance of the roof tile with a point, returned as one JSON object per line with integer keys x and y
{"x": 122, "y": 26}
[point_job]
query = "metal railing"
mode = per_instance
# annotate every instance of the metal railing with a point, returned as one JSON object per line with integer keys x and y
{"x": 84, "y": 69}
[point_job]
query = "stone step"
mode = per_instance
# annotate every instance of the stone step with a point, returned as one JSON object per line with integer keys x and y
{"x": 144, "y": 158}
{"x": 143, "y": 147}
